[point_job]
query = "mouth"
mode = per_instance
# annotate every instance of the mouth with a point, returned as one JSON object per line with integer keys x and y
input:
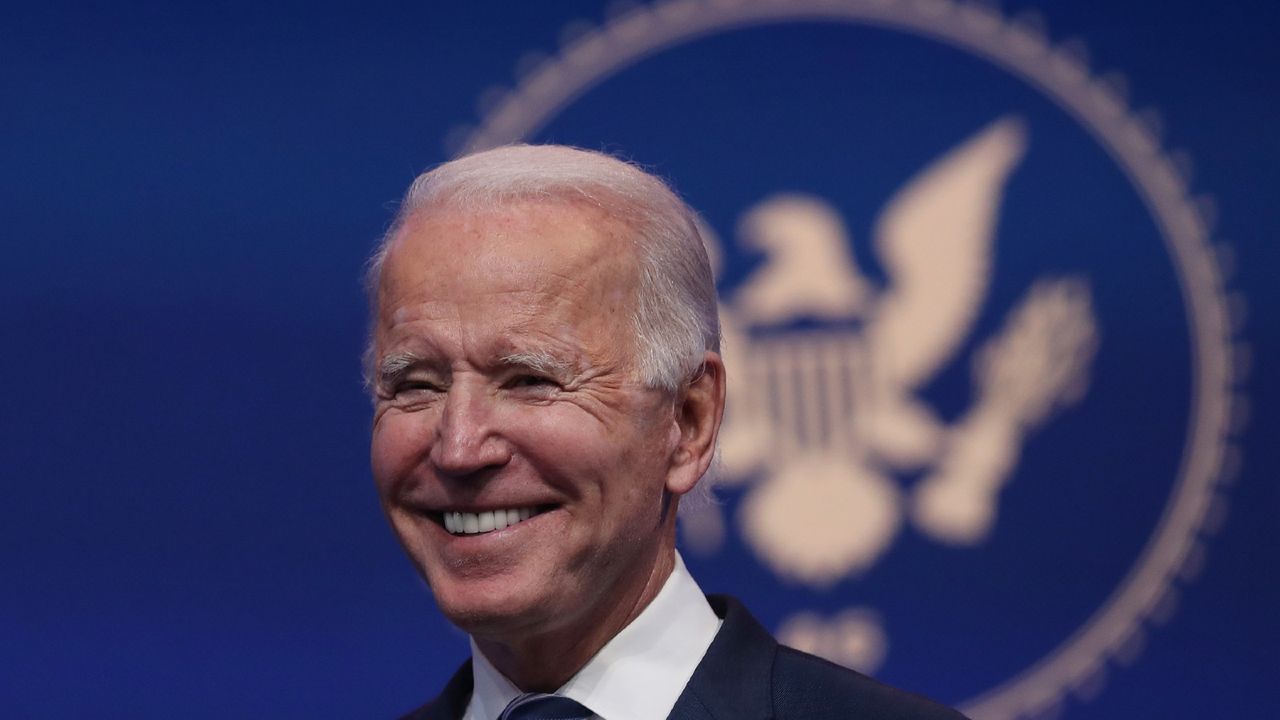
{"x": 479, "y": 523}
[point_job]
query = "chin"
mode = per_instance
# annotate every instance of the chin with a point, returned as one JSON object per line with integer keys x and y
{"x": 496, "y": 617}
{"x": 494, "y": 604}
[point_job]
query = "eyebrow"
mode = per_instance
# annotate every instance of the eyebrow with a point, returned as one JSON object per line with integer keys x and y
{"x": 541, "y": 361}
{"x": 394, "y": 366}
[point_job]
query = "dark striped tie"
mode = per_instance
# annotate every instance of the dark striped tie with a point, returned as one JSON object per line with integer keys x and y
{"x": 541, "y": 706}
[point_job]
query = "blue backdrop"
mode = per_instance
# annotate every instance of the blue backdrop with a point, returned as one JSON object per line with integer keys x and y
{"x": 190, "y": 193}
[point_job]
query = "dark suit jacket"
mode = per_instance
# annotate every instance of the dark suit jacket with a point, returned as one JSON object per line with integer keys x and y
{"x": 747, "y": 675}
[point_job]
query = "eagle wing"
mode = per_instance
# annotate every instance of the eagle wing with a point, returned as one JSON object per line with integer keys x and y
{"x": 934, "y": 240}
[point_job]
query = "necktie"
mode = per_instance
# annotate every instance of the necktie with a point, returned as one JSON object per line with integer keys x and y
{"x": 541, "y": 706}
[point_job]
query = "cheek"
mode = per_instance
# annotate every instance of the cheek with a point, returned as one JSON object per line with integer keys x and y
{"x": 398, "y": 441}
{"x": 570, "y": 436}
{"x": 619, "y": 465}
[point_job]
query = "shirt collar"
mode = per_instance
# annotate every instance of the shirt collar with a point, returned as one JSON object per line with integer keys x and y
{"x": 639, "y": 674}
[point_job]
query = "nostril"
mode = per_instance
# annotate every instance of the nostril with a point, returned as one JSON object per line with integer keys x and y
{"x": 466, "y": 456}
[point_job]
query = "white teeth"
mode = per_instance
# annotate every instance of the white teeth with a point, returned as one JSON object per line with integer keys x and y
{"x": 464, "y": 523}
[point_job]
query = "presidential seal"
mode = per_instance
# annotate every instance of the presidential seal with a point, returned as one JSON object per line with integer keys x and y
{"x": 983, "y": 363}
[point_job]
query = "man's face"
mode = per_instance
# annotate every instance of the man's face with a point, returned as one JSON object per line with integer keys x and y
{"x": 506, "y": 386}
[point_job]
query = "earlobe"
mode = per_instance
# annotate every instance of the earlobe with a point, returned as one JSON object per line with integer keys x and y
{"x": 699, "y": 411}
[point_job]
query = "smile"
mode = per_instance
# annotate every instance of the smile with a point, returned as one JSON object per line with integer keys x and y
{"x": 468, "y": 523}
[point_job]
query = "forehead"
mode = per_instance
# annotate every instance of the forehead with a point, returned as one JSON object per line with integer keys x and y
{"x": 532, "y": 235}
{"x": 548, "y": 254}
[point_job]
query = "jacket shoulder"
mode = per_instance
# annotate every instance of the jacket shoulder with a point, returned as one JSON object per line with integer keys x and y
{"x": 806, "y": 686}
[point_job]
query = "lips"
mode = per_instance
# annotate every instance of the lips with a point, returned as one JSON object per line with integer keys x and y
{"x": 477, "y": 523}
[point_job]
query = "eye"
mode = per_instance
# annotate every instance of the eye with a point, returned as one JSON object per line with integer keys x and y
{"x": 416, "y": 386}
{"x": 532, "y": 382}
{"x": 414, "y": 390}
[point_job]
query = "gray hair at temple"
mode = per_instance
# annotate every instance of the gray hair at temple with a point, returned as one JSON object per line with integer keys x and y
{"x": 675, "y": 319}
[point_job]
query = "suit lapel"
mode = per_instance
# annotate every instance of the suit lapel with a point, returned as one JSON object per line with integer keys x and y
{"x": 452, "y": 701}
{"x": 734, "y": 679}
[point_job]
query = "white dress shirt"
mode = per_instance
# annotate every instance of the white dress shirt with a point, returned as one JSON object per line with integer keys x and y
{"x": 639, "y": 674}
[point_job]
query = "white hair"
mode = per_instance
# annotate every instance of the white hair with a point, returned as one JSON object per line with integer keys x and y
{"x": 675, "y": 319}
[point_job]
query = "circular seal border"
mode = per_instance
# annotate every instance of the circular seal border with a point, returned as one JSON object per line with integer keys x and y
{"x": 1176, "y": 550}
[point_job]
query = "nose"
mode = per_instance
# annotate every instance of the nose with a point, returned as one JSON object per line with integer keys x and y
{"x": 467, "y": 439}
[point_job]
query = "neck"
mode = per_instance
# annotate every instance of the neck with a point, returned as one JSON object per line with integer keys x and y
{"x": 543, "y": 663}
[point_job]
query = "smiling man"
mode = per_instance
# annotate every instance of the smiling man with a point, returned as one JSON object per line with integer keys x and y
{"x": 548, "y": 385}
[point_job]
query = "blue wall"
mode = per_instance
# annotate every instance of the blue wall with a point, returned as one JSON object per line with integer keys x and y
{"x": 189, "y": 527}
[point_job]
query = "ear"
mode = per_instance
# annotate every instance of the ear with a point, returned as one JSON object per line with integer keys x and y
{"x": 699, "y": 410}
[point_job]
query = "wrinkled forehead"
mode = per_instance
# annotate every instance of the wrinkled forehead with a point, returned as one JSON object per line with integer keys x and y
{"x": 543, "y": 246}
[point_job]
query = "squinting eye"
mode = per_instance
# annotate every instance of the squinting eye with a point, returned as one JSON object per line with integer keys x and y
{"x": 531, "y": 381}
{"x": 415, "y": 389}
